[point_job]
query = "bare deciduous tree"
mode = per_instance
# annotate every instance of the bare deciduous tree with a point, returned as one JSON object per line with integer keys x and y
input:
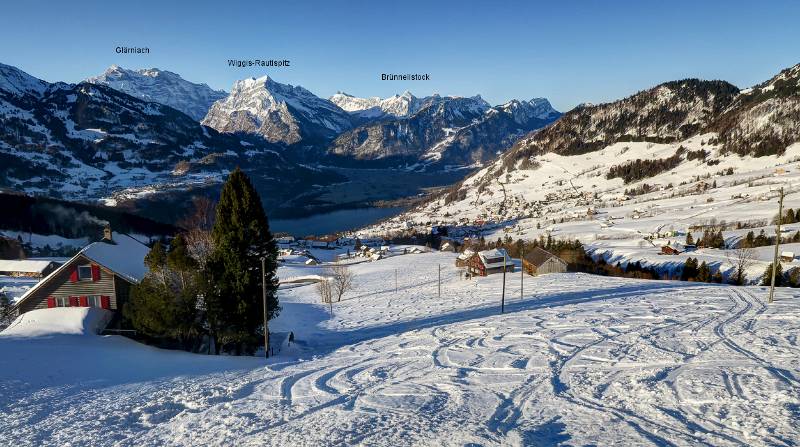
{"x": 341, "y": 280}
{"x": 325, "y": 293}
{"x": 741, "y": 259}
{"x": 198, "y": 229}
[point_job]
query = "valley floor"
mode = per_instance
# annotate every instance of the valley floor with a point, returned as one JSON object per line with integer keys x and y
{"x": 579, "y": 360}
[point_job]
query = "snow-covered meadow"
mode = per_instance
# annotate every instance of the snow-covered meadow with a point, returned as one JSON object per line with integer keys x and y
{"x": 578, "y": 360}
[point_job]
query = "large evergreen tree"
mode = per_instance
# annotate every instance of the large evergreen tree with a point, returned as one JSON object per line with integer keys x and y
{"x": 164, "y": 304}
{"x": 233, "y": 271}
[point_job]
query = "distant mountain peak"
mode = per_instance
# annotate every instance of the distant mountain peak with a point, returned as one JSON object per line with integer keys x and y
{"x": 161, "y": 86}
{"x": 278, "y": 112}
{"x": 17, "y": 82}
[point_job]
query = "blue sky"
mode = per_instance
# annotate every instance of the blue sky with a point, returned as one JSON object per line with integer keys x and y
{"x": 567, "y": 51}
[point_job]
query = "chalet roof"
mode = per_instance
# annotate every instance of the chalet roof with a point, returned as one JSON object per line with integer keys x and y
{"x": 538, "y": 256}
{"x": 493, "y": 254}
{"x": 124, "y": 256}
{"x": 24, "y": 265}
{"x": 467, "y": 253}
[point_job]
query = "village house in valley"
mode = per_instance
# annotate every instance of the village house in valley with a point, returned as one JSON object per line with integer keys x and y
{"x": 540, "y": 262}
{"x": 100, "y": 275}
{"x": 486, "y": 262}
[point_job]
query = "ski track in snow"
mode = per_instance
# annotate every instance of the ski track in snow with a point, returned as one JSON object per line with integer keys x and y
{"x": 580, "y": 360}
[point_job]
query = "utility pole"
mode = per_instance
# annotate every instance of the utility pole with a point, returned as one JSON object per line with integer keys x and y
{"x": 503, "y": 297}
{"x": 440, "y": 280}
{"x": 777, "y": 245}
{"x": 522, "y": 271}
{"x": 264, "y": 297}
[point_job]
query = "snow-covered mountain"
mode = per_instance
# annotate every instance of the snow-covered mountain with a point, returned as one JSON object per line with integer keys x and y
{"x": 278, "y": 112}
{"x": 90, "y": 141}
{"x": 446, "y": 132}
{"x": 764, "y": 119}
{"x": 163, "y": 87}
{"x": 397, "y": 106}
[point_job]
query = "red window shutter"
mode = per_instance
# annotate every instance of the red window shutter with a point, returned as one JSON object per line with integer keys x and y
{"x": 73, "y": 301}
{"x": 51, "y": 301}
{"x": 95, "y": 272}
{"x": 84, "y": 301}
{"x": 73, "y": 277}
{"x": 105, "y": 302}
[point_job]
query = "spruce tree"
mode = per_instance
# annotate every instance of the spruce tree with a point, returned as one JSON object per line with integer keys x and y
{"x": 704, "y": 273}
{"x": 233, "y": 272}
{"x": 766, "y": 280}
{"x": 689, "y": 238}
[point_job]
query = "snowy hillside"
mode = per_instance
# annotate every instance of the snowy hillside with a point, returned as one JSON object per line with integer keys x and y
{"x": 163, "y": 87}
{"x": 618, "y": 175}
{"x": 579, "y": 360}
{"x": 278, "y": 112}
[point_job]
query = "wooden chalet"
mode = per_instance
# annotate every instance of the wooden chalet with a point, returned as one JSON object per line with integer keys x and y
{"x": 31, "y": 268}
{"x": 484, "y": 263}
{"x": 540, "y": 262}
{"x": 463, "y": 258}
{"x": 672, "y": 249}
{"x": 100, "y": 275}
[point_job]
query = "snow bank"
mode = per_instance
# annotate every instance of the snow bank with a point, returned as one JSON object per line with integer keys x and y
{"x": 59, "y": 321}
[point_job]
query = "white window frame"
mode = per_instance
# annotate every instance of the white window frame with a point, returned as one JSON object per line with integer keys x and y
{"x": 62, "y": 301}
{"x": 84, "y": 278}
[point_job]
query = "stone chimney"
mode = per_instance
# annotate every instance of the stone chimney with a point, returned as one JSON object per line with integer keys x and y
{"x": 107, "y": 235}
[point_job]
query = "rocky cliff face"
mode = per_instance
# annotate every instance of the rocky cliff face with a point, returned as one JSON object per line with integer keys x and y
{"x": 163, "y": 87}
{"x": 448, "y": 133}
{"x": 277, "y": 112}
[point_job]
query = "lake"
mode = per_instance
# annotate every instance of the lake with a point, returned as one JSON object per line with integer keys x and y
{"x": 332, "y": 222}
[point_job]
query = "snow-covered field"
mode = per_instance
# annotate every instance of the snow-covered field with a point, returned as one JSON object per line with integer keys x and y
{"x": 579, "y": 360}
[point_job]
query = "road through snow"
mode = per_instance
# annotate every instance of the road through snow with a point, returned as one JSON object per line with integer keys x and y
{"x": 580, "y": 360}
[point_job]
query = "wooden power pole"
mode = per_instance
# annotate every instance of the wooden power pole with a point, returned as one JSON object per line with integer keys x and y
{"x": 777, "y": 246}
{"x": 521, "y": 272}
{"x": 440, "y": 280}
{"x": 264, "y": 297}
{"x": 503, "y": 296}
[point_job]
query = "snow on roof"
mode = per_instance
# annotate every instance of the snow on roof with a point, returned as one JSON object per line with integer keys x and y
{"x": 59, "y": 320}
{"x": 124, "y": 256}
{"x": 23, "y": 265}
{"x": 490, "y": 257}
{"x": 467, "y": 253}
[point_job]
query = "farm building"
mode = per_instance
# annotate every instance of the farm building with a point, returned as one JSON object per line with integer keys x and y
{"x": 100, "y": 275}
{"x": 487, "y": 262}
{"x": 461, "y": 260}
{"x": 672, "y": 249}
{"x": 540, "y": 262}
{"x": 31, "y": 268}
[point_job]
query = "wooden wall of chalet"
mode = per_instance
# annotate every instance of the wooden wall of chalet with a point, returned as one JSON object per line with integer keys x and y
{"x": 60, "y": 286}
{"x": 551, "y": 265}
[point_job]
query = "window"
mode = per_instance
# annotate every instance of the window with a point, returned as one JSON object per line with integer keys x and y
{"x": 94, "y": 301}
{"x": 62, "y": 301}
{"x": 84, "y": 272}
